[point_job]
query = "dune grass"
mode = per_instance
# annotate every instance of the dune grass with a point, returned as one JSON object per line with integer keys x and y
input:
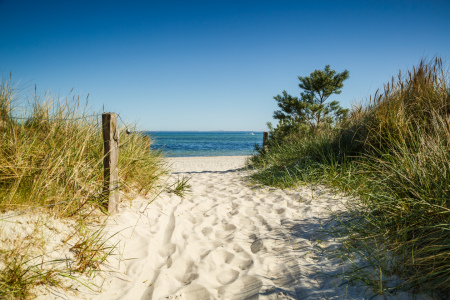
{"x": 52, "y": 151}
{"x": 39, "y": 254}
{"x": 394, "y": 154}
{"x": 51, "y": 163}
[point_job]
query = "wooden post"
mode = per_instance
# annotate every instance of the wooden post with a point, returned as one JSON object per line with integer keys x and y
{"x": 265, "y": 141}
{"x": 111, "y": 160}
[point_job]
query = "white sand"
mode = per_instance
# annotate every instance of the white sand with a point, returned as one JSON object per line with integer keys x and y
{"x": 226, "y": 240}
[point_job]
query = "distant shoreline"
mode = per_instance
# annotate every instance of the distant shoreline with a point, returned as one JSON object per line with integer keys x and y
{"x": 205, "y": 143}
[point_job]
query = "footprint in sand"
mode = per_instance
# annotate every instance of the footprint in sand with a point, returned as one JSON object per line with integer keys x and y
{"x": 193, "y": 292}
{"x": 233, "y": 212}
{"x": 256, "y": 246}
{"x": 225, "y": 231}
{"x": 207, "y": 231}
{"x": 184, "y": 270}
{"x": 222, "y": 256}
{"x": 227, "y": 276}
{"x": 167, "y": 250}
{"x": 280, "y": 210}
{"x": 246, "y": 287}
{"x": 251, "y": 212}
{"x": 229, "y": 227}
{"x": 237, "y": 248}
{"x": 245, "y": 222}
{"x": 242, "y": 263}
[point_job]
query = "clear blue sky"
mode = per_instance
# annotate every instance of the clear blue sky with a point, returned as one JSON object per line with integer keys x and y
{"x": 212, "y": 65}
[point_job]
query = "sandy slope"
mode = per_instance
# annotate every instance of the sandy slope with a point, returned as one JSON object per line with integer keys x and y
{"x": 226, "y": 240}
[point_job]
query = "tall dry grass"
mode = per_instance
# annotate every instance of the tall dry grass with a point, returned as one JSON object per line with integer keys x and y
{"x": 51, "y": 163}
{"x": 394, "y": 154}
{"x": 54, "y": 153}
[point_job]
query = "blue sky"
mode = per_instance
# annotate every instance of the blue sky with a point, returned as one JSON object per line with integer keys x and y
{"x": 212, "y": 65}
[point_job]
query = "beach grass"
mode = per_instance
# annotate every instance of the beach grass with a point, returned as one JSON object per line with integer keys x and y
{"x": 52, "y": 151}
{"x": 32, "y": 262}
{"x": 393, "y": 154}
{"x": 51, "y": 164}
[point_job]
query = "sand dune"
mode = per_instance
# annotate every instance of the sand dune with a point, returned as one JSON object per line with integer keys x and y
{"x": 226, "y": 240}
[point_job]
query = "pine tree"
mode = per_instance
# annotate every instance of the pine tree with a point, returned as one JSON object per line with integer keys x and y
{"x": 311, "y": 109}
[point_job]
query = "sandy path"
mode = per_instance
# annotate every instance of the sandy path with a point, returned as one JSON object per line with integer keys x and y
{"x": 226, "y": 240}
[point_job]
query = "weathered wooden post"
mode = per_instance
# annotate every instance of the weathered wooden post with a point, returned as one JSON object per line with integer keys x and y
{"x": 111, "y": 160}
{"x": 265, "y": 141}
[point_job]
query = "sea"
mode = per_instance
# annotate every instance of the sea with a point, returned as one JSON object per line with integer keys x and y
{"x": 205, "y": 143}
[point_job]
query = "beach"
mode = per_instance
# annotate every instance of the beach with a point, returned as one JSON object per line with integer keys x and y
{"x": 225, "y": 150}
{"x": 226, "y": 239}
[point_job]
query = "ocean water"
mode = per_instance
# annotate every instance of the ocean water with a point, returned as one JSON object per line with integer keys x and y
{"x": 217, "y": 143}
